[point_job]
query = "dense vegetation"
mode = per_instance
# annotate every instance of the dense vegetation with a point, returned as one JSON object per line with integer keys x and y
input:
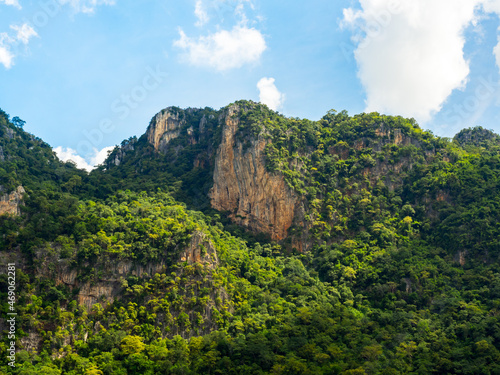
{"x": 401, "y": 275}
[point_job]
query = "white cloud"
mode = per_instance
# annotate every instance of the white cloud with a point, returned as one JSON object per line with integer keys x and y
{"x": 269, "y": 94}
{"x": 226, "y": 48}
{"x": 410, "y": 53}
{"x": 14, "y": 3}
{"x": 222, "y": 10}
{"x": 86, "y": 6}
{"x": 223, "y": 49}
{"x": 6, "y": 56}
{"x": 201, "y": 14}
{"x": 7, "y": 43}
{"x": 68, "y": 154}
{"x": 100, "y": 156}
{"x": 493, "y": 6}
{"x": 496, "y": 53}
{"x": 24, "y": 33}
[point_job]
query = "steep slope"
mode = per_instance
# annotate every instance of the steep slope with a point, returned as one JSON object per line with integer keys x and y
{"x": 27, "y": 161}
{"x": 242, "y": 186}
{"x": 209, "y": 156}
{"x": 269, "y": 173}
{"x": 174, "y": 154}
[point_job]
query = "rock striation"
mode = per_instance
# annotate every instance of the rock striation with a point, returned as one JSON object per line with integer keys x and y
{"x": 255, "y": 198}
{"x": 164, "y": 127}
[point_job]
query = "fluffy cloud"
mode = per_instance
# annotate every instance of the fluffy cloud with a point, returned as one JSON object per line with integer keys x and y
{"x": 11, "y": 2}
{"x": 269, "y": 94}
{"x": 201, "y": 14}
{"x": 6, "y": 56}
{"x": 410, "y": 53}
{"x": 68, "y": 154}
{"x": 223, "y": 49}
{"x": 226, "y": 48}
{"x": 24, "y": 33}
{"x": 86, "y": 6}
{"x": 7, "y": 43}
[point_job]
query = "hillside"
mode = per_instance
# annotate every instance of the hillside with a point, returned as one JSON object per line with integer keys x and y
{"x": 241, "y": 241}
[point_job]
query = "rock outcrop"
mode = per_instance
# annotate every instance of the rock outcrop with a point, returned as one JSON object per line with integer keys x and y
{"x": 255, "y": 198}
{"x": 106, "y": 288}
{"x": 164, "y": 127}
{"x": 199, "y": 250}
{"x": 10, "y": 203}
{"x": 121, "y": 152}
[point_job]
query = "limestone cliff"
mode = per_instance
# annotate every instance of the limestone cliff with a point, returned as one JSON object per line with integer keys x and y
{"x": 164, "y": 127}
{"x": 10, "y": 203}
{"x": 255, "y": 198}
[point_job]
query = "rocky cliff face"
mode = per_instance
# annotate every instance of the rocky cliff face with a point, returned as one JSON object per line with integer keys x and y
{"x": 242, "y": 186}
{"x": 9, "y": 203}
{"x": 164, "y": 127}
{"x": 255, "y": 198}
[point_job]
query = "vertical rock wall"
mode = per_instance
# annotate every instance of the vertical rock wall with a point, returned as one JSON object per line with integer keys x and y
{"x": 255, "y": 198}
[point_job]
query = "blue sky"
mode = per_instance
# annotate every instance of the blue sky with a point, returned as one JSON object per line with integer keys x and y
{"x": 86, "y": 74}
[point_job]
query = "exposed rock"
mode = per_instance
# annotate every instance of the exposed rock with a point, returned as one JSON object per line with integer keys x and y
{"x": 442, "y": 196}
{"x": 254, "y": 197}
{"x": 341, "y": 150}
{"x": 203, "y": 124}
{"x": 31, "y": 342}
{"x": 383, "y": 132}
{"x": 396, "y": 136}
{"x": 408, "y": 284}
{"x": 359, "y": 144}
{"x": 10, "y": 203}
{"x": 477, "y": 137}
{"x": 89, "y": 295}
{"x": 122, "y": 151}
{"x": 9, "y": 133}
{"x": 199, "y": 250}
{"x": 460, "y": 257}
{"x": 106, "y": 288}
{"x": 2, "y": 156}
{"x": 164, "y": 127}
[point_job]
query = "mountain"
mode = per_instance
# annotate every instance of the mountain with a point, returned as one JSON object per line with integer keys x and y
{"x": 242, "y": 241}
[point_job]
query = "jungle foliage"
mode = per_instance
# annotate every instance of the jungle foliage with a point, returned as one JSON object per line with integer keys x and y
{"x": 401, "y": 275}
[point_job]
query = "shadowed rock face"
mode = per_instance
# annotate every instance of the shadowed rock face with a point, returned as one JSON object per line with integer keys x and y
{"x": 255, "y": 198}
{"x": 9, "y": 203}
